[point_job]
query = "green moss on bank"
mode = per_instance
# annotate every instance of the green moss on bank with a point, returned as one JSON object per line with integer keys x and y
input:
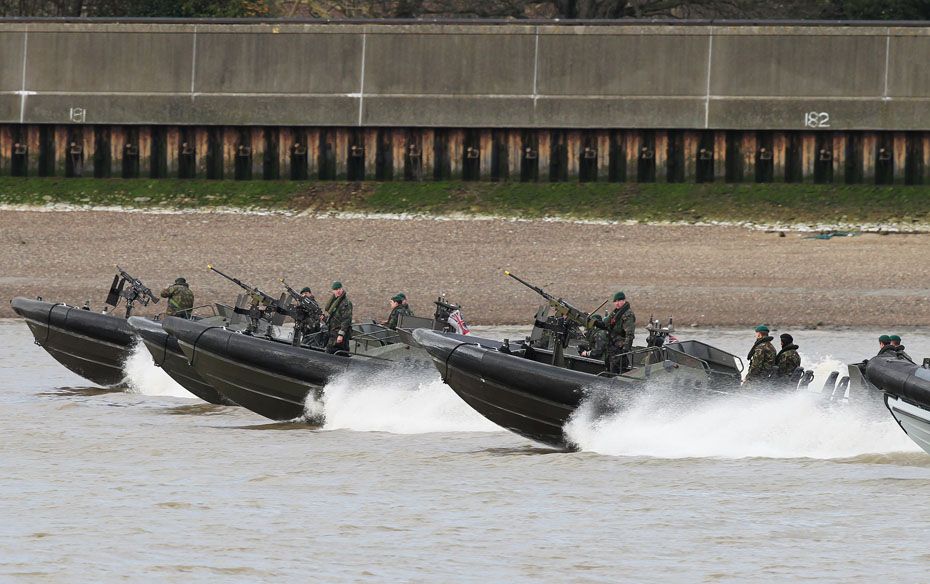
{"x": 782, "y": 203}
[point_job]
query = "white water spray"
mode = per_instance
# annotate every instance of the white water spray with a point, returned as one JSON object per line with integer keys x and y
{"x": 791, "y": 425}
{"x": 401, "y": 404}
{"x": 144, "y": 377}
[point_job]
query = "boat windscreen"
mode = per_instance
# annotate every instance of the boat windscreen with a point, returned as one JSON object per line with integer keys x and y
{"x": 718, "y": 360}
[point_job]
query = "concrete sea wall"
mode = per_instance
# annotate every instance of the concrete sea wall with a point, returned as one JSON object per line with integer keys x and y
{"x": 501, "y": 101}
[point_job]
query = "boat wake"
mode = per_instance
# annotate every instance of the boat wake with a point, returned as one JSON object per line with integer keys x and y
{"x": 142, "y": 376}
{"x": 407, "y": 404}
{"x": 795, "y": 425}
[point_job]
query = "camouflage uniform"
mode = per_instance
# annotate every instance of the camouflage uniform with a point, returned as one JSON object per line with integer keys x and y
{"x": 339, "y": 322}
{"x": 899, "y": 349}
{"x": 597, "y": 342}
{"x": 887, "y": 349}
{"x": 396, "y": 313}
{"x": 620, "y": 326}
{"x": 786, "y": 362}
{"x": 180, "y": 299}
{"x": 761, "y": 361}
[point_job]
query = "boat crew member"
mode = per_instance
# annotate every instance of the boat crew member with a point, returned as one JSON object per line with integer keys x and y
{"x": 338, "y": 317}
{"x": 180, "y": 299}
{"x": 885, "y": 347}
{"x": 597, "y": 340}
{"x": 309, "y": 327}
{"x": 899, "y": 348}
{"x": 398, "y": 308}
{"x": 620, "y": 327}
{"x": 761, "y": 358}
{"x": 404, "y": 302}
{"x": 787, "y": 360}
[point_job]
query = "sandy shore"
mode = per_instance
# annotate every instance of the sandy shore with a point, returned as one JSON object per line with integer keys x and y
{"x": 700, "y": 275}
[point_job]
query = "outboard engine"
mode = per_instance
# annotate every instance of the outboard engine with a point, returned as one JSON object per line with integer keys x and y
{"x": 901, "y": 378}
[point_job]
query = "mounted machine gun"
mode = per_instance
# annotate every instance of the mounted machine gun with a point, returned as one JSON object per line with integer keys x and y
{"x": 130, "y": 288}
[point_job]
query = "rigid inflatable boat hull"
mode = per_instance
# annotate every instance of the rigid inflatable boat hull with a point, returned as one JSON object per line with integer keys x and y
{"x": 167, "y": 354}
{"x": 94, "y": 346}
{"x": 270, "y": 378}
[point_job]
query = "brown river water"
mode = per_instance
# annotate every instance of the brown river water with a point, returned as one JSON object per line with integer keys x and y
{"x": 407, "y": 484}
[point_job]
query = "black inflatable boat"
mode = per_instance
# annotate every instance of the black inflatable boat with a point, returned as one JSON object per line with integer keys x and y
{"x": 907, "y": 393}
{"x": 93, "y": 345}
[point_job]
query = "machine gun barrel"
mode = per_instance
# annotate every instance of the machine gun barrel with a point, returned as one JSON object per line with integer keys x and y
{"x": 255, "y": 292}
{"x": 136, "y": 285}
{"x": 562, "y": 308}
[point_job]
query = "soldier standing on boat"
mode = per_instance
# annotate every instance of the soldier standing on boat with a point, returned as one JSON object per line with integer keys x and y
{"x": 761, "y": 358}
{"x": 309, "y": 326}
{"x": 398, "y": 308}
{"x": 597, "y": 340}
{"x": 787, "y": 360}
{"x": 403, "y": 300}
{"x": 180, "y": 299}
{"x": 899, "y": 348}
{"x": 338, "y": 316}
{"x": 620, "y": 327}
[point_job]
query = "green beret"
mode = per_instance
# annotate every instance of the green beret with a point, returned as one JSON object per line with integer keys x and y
{"x": 397, "y": 298}
{"x": 306, "y": 289}
{"x": 762, "y": 329}
{"x": 619, "y": 296}
{"x": 597, "y": 317}
{"x": 895, "y": 338}
{"x": 337, "y": 285}
{"x": 884, "y": 339}
{"x": 401, "y": 295}
{"x": 180, "y": 281}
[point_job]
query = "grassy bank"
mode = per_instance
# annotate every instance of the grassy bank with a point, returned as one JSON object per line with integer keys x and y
{"x": 770, "y": 203}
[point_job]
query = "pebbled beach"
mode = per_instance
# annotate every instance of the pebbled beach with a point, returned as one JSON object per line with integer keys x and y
{"x": 702, "y": 275}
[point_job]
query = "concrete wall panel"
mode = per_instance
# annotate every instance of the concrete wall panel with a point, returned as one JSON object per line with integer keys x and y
{"x": 801, "y": 65}
{"x": 459, "y": 64}
{"x": 275, "y": 110}
{"x": 498, "y": 112}
{"x": 9, "y": 108}
{"x": 843, "y": 114}
{"x": 205, "y": 109}
{"x": 109, "y": 62}
{"x": 11, "y": 47}
{"x": 908, "y": 71}
{"x": 618, "y": 113}
{"x": 278, "y": 63}
{"x": 625, "y": 64}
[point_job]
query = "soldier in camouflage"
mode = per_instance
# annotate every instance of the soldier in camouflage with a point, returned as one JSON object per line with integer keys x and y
{"x": 899, "y": 348}
{"x": 309, "y": 326}
{"x": 787, "y": 360}
{"x": 620, "y": 327}
{"x": 180, "y": 299}
{"x": 597, "y": 340}
{"x": 761, "y": 358}
{"x": 338, "y": 317}
{"x": 398, "y": 308}
{"x": 885, "y": 347}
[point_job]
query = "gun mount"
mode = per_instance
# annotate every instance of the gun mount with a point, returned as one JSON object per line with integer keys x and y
{"x": 658, "y": 334}
{"x": 564, "y": 324}
{"x": 255, "y": 312}
{"x": 131, "y": 289}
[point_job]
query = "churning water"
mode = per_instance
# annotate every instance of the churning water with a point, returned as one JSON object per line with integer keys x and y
{"x": 406, "y": 483}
